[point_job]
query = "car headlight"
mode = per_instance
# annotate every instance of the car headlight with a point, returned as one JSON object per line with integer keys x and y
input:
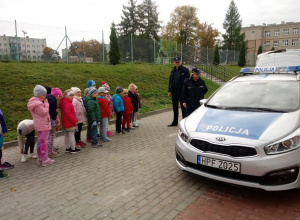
{"x": 184, "y": 136}
{"x": 284, "y": 146}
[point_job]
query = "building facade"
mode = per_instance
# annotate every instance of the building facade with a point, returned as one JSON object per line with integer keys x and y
{"x": 29, "y": 48}
{"x": 278, "y": 36}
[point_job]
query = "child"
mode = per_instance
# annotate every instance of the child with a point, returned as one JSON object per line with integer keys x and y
{"x": 127, "y": 110}
{"x": 119, "y": 109}
{"x": 93, "y": 115}
{"x": 68, "y": 120}
{"x": 80, "y": 115}
{"x": 139, "y": 104}
{"x": 26, "y": 128}
{"x": 52, "y": 100}
{"x": 134, "y": 102}
{"x": 2, "y": 174}
{"x": 110, "y": 104}
{"x": 91, "y": 83}
{"x": 39, "y": 107}
{"x": 105, "y": 114}
{"x": 3, "y": 163}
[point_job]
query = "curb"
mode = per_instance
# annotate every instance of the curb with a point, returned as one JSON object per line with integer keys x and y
{"x": 61, "y": 132}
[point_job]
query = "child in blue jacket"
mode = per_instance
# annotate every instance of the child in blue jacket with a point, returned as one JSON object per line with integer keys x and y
{"x": 119, "y": 109}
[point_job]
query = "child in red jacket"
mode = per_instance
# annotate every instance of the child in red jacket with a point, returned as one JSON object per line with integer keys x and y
{"x": 105, "y": 113}
{"x": 68, "y": 120}
{"x": 127, "y": 110}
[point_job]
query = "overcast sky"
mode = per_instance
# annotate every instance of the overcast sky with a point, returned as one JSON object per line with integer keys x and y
{"x": 97, "y": 15}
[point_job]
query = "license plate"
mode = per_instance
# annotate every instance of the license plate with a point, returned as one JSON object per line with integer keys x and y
{"x": 220, "y": 164}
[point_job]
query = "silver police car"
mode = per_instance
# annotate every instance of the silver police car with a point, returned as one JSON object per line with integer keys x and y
{"x": 247, "y": 132}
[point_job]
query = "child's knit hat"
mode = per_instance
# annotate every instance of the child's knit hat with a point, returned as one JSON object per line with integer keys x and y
{"x": 48, "y": 89}
{"x": 90, "y": 83}
{"x": 39, "y": 90}
{"x": 56, "y": 92}
{"x": 86, "y": 91}
{"x": 119, "y": 90}
{"x": 92, "y": 91}
{"x": 75, "y": 89}
{"x": 106, "y": 86}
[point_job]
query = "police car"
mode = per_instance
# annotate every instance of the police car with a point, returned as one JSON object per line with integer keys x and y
{"x": 247, "y": 132}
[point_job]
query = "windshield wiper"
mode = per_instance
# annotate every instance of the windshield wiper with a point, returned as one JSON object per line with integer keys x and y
{"x": 214, "y": 106}
{"x": 254, "y": 109}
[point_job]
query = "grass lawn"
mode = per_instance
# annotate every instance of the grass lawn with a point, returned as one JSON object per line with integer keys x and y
{"x": 17, "y": 81}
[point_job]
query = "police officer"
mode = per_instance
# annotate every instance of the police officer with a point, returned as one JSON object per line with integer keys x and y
{"x": 193, "y": 91}
{"x": 178, "y": 74}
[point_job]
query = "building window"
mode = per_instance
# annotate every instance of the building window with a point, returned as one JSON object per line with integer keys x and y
{"x": 0, "y": 44}
{"x": 286, "y": 31}
{"x": 285, "y": 43}
{"x": 267, "y": 44}
{"x": 253, "y": 32}
{"x": 294, "y": 42}
{"x": 267, "y": 33}
{"x": 295, "y": 30}
{"x": 5, "y": 44}
{"x": 1, "y": 50}
{"x": 276, "y": 33}
{"x": 28, "y": 45}
{"x": 275, "y": 43}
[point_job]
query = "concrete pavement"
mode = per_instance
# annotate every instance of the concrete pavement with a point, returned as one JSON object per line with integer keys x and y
{"x": 132, "y": 177}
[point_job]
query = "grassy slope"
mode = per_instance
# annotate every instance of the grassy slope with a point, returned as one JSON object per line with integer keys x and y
{"x": 17, "y": 81}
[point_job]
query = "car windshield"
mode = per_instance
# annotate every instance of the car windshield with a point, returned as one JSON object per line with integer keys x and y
{"x": 257, "y": 96}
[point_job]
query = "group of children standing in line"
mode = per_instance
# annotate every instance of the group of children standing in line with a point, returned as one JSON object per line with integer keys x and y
{"x": 95, "y": 108}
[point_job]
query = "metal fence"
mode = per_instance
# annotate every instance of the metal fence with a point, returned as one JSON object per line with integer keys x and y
{"x": 29, "y": 42}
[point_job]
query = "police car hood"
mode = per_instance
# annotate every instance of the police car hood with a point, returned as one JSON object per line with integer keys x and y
{"x": 243, "y": 124}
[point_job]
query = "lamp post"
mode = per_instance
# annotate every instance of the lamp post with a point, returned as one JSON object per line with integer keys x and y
{"x": 24, "y": 32}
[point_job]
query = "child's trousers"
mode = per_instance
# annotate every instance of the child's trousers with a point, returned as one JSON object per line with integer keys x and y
{"x": 30, "y": 141}
{"x": 103, "y": 127}
{"x": 69, "y": 139}
{"x": 126, "y": 120}
{"x": 42, "y": 145}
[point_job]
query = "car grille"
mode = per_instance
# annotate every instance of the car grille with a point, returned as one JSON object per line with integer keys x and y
{"x": 234, "y": 151}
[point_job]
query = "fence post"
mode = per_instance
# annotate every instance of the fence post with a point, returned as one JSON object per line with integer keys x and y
{"x": 17, "y": 42}
{"x": 103, "y": 60}
{"x": 206, "y": 55}
{"x": 154, "y": 50}
{"x": 181, "y": 51}
{"x": 131, "y": 49}
{"x": 67, "y": 57}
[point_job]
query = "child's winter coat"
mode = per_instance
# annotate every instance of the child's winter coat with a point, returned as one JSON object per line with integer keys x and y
{"x": 40, "y": 113}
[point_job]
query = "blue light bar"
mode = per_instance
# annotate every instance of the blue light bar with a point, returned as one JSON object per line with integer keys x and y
{"x": 271, "y": 69}
{"x": 247, "y": 70}
{"x": 293, "y": 68}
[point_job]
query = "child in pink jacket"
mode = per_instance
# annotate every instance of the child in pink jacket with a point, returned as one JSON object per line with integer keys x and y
{"x": 39, "y": 108}
{"x": 80, "y": 115}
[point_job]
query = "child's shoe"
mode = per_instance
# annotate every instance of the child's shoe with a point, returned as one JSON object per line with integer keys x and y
{"x": 3, "y": 175}
{"x": 54, "y": 154}
{"x": 75, "y": 151}
{"x": 23, "y": 160}
{"x": 128, "y": 129}
{"x": 88, "y": 140}
{"x": 33, "y": 156}
{"x": 106, "y": 139}
{"x": 82, "y": 143}
{"x": 109, "y": 133}
{"x": 47, "y": 162}
{"x": 6, "y": 165}
{"x": 68, "y": 150}
{"x": 96, "y": 145}
{"x": 131, "y": 127}
{"x": 39, "y": 161}
{"x": 135, "y": 124}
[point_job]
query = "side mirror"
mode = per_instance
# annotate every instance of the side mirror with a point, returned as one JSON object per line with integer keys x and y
{"x": 203, "y": 101}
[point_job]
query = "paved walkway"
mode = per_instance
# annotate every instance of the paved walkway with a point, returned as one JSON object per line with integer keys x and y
{"x": 132, "y": 177}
